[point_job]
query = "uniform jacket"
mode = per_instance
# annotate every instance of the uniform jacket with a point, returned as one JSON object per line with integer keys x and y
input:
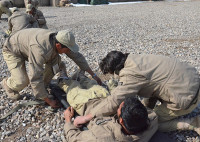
{"x": 19, "y": 20}
{"x": 41, "y": 19}
{"x": 38, "y": 47}
{"x": 5, "y": 3}
{"x": 175, "y": 83}
{"x": 107, "y": 129}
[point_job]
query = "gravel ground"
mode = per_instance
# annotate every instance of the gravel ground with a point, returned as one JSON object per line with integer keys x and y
{"x": 164, "y": 28}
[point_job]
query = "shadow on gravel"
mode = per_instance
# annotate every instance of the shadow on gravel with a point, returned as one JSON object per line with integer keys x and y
{"x": 50, "y": 16}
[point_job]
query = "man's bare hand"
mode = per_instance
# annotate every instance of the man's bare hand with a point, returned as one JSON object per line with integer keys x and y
{"x": 69, "y": 114}
{"x": 52, "y": 103}
{"x": 80, "y": 120}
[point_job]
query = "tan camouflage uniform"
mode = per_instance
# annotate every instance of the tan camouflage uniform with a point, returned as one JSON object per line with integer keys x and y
{"x": 20, "y": 20}
{"x": 175, "y": 83}
{"x": 4, "y": 7}
{"x": 37, "y": 46}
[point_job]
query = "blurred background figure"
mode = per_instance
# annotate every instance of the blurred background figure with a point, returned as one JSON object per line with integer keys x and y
{"x": 4, "y": 7}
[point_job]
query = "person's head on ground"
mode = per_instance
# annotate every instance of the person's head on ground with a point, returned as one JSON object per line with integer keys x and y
{"x": 65, "y": 42}
{"x": 113, "y": 62}
{"x": 30, "y": 9}
{"x": 133, "y": 116}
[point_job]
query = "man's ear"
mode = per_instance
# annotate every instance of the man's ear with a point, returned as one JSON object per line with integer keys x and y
{"x": 121, "y": 121}
{"x": 58, "y": 45}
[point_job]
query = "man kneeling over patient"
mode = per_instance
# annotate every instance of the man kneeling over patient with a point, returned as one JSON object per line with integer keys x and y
{"x": 131, "y": 123}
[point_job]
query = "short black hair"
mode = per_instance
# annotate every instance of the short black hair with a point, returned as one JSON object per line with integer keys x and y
{"x": 113, "y": 62}
{"x": 134, "y": 115}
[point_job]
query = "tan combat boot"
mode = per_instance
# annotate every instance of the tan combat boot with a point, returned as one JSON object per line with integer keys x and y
{"x": 13, "y": 95}
{"x": 190, "y": 124}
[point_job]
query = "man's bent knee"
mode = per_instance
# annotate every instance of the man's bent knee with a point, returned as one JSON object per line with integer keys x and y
{"x": 17, "y": 85}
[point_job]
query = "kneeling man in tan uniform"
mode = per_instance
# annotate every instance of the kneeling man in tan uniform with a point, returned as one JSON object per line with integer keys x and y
{"x": 41, "y": 48}
{"x": 175, "y": 84}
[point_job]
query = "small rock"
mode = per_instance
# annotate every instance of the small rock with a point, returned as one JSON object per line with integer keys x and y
{"x": 24, "y": 124}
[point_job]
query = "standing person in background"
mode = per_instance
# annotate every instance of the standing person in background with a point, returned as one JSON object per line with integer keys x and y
{"x": 175, "y": 84}
{"x": 37, "y": 14}
{"x": 20, "y": 20}
{"x": 4, "y": 7}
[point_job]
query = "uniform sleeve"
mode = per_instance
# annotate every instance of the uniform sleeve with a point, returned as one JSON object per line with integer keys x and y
{"x": 80, "y": 60}
{"x": 108, "y": 106}
{"x": 40, "y": 18}
{"x": 36, "y": 62}
{"x": 33, "y": 21}
{"x": 73, "y": 134}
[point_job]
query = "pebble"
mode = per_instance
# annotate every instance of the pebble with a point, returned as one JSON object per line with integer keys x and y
{"x": 24, "y": 124}
{"x": 2, "y": 107}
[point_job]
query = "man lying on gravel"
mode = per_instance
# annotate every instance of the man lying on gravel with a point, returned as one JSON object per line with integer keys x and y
{"x": 132, "y": 122}
{"x": 175, "y": 84}
{"x": 41, "y": 48}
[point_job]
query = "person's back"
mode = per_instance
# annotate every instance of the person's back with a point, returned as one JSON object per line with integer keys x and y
{"x": 20, "y": 20}
{"x": 26, "y": 39}
{"x": 160, "y": 75}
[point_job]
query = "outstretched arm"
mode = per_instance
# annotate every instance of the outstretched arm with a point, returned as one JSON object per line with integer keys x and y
{"x": 80, "y": 60}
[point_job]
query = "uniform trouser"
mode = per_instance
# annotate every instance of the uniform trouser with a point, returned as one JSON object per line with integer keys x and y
{"x": 168, "y": 119}
{"x": 5, "y": 10}
{"x": 19, "y": 77}
{"x": 80, "y": 92}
